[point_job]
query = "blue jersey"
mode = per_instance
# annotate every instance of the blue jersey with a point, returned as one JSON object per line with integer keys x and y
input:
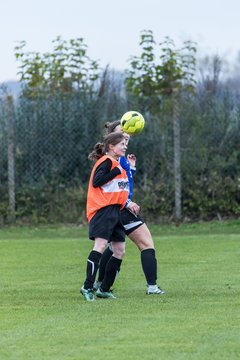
{"x": 130, "y": 172}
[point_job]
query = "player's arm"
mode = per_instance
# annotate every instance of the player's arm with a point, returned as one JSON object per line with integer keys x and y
{"x": 103, "y": 173}
{"x": 132, "y": 161}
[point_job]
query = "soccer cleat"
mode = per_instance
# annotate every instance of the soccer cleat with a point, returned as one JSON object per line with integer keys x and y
{"x": 104, "y": 294}
{"x": 87, "y": 294}
{"x": 154, "y": 289}
{"x": 96, "y": 285}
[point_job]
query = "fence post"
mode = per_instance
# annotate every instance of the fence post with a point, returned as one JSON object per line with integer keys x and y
{"x": 177, "y": 159}
{"x": 10, "y": 147}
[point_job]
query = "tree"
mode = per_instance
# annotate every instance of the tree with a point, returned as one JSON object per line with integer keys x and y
{"x": 210, "y": 71}
{"x": 67, "y": 68}
{"x": 173, "y": 74}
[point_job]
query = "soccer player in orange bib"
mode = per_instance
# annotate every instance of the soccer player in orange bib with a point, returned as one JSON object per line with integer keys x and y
{"x": 107, "y": 195}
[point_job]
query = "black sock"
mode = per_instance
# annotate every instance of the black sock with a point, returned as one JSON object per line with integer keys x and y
{"x": 149, "y": 265}
{"x": 112, "y": 270}
{"x": 92, "y": 268}
{"x": 103, "y": 263}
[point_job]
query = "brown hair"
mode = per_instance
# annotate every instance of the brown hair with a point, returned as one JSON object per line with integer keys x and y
{"x": 101, "y": 148}
{"x": 112, "y": 125}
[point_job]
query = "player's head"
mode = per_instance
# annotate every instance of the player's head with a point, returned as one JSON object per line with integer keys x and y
{"x": 114, "y": 142}
{"x": 115, "y": 126}
{"x": 113, "y": 139}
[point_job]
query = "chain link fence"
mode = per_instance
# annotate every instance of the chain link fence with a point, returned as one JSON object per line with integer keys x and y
{"x": 44, "y": 144}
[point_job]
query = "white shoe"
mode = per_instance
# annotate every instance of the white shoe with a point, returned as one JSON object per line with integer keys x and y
{"x": 154, "y": 289}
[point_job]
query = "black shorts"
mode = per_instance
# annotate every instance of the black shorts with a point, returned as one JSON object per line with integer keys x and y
{"x": 106, "y": 224}
{"x": 130, "y": 221}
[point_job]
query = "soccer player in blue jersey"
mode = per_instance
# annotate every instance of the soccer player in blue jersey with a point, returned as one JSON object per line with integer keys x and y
{"x": 135, "y": 227}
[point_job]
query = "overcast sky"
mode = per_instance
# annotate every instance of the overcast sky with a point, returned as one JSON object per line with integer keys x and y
{"x": 111, "y": 28}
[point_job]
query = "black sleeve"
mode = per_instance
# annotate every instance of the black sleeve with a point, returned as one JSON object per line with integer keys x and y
{"x": 103, "y": 173}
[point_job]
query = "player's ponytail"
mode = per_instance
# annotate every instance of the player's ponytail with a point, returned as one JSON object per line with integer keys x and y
{"x": 98, "y": 152}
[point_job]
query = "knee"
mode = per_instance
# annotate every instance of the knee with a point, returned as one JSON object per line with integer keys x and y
{"x": 119, "y": 252}
{"x": 142, "y": 243}
{"x": 100, "y": 246}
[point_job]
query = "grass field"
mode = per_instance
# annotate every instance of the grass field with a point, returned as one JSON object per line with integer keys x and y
{"x": 43, "y": 316}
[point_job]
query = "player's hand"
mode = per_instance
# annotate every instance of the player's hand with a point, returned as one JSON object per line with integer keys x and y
{"x": 134, "y": 208}
{"x": 132, "y": 159}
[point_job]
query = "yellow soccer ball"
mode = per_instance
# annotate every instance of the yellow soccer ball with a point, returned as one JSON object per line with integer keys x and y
{"x": 132, "y": 122}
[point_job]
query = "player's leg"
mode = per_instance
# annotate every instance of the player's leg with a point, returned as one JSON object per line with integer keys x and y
{"x": 92, "y": 268}
{"x": 141, "y": 236}
{"x": 139, "y": 233}
{"x": 114, "y": 263}
{"x": 143, "y": 239}
{"x": 102, "y": 266}
{"x": 99, "y": 231}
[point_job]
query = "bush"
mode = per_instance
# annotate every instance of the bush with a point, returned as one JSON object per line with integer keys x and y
{"x": 48, "y": 205}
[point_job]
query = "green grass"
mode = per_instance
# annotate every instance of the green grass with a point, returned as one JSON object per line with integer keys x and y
{"x": 43, "y": 316}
